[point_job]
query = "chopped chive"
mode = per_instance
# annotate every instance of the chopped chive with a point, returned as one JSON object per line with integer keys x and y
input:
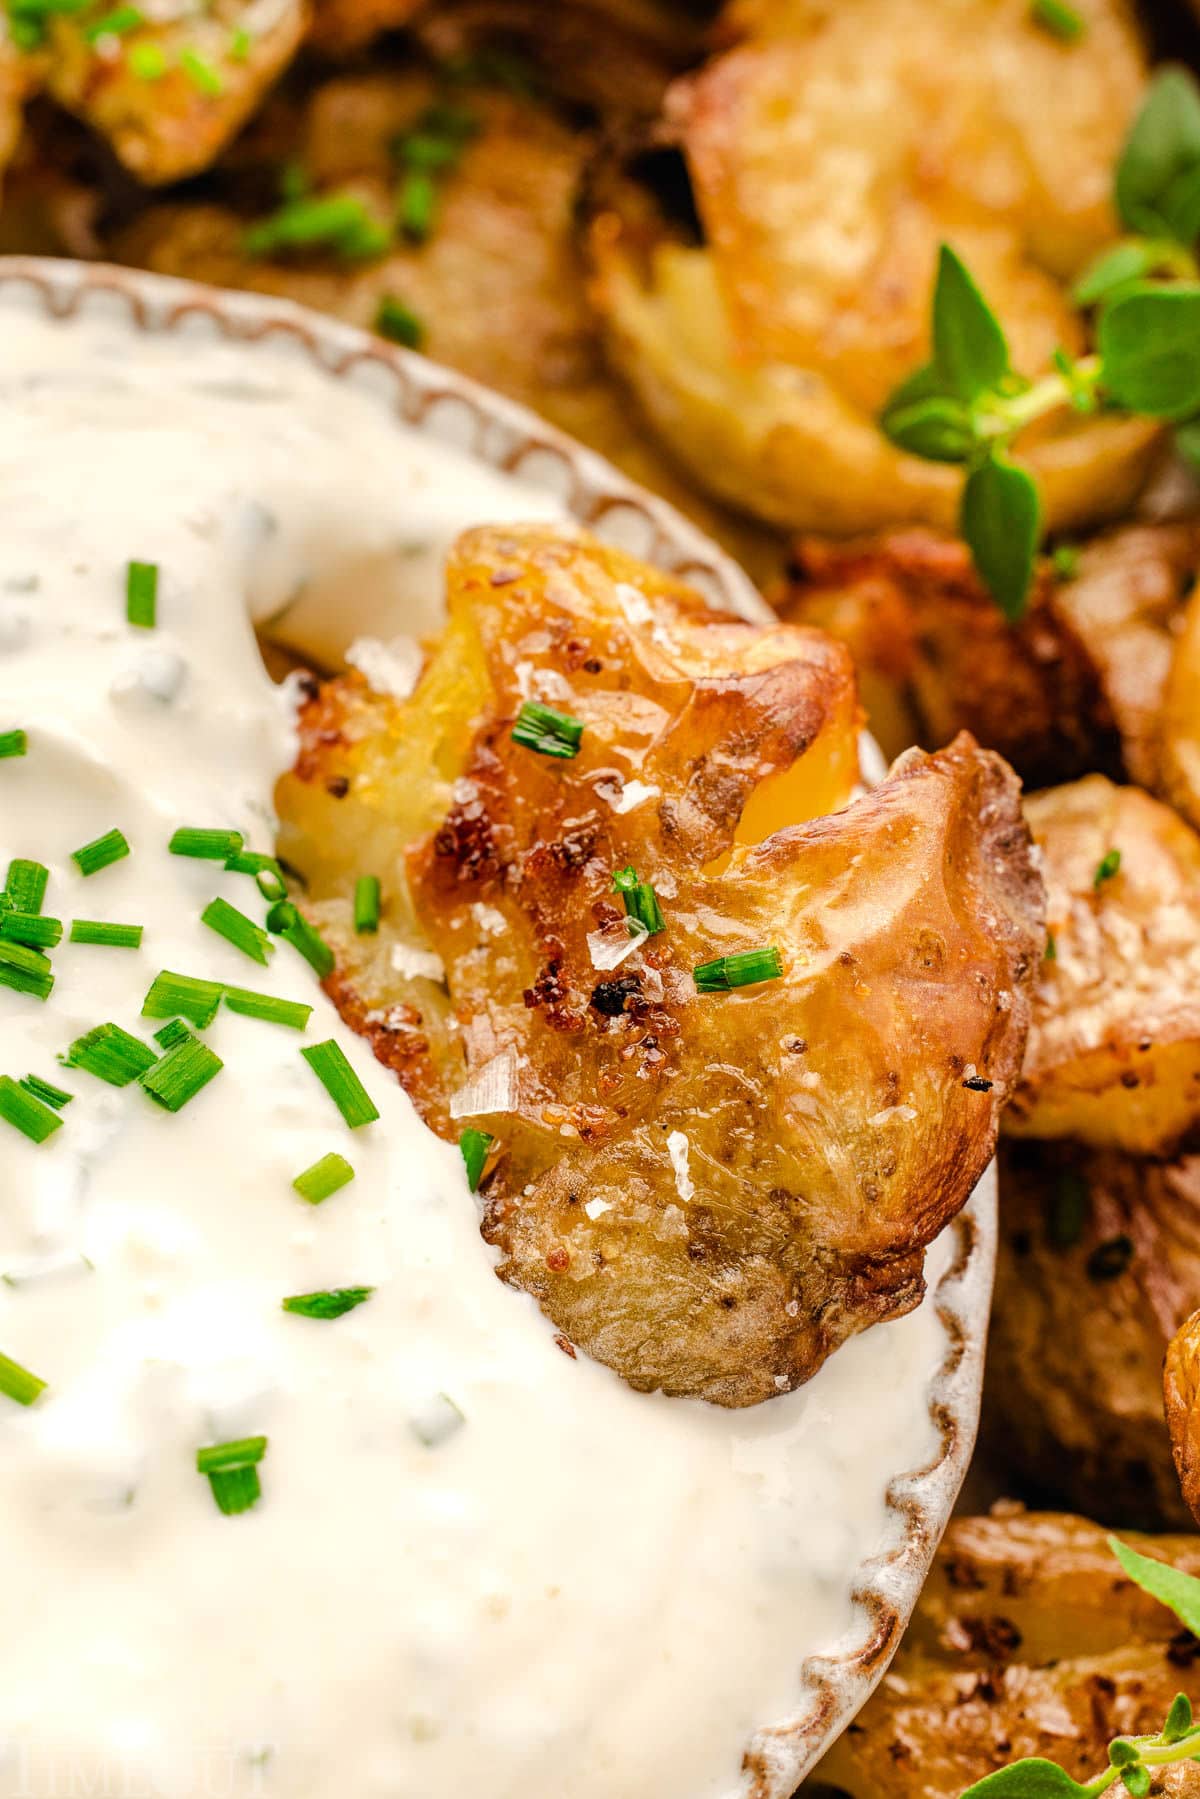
{"x": 265, "y": 1006}
{"x": 17, "y": 1382}
{"x": 398, "y": 323}
{"x": 1051, "y": 947}
{"x": 237, "y": 929}
{"x": 46, "y": 1091}
{"x": 328, "y": 1062}
{"x": 1061, "y": 20}
{"x": 366, "y": 904}
{"x": 141, "y": 594}
{"x": 232, "y": 1470}
{"x": 742, "y": 970}
{"x": 171, "y": 1034}
{"x": 148, "y": 61}
{"x": 108, "y": 936}
{"x": 266, "y": 871}
{"x": 548, "y": 732}
{"x": 416, "y": 205}
{"x": 1106, "y": 868}
{"x": 13, "y": 743}
{"x": 106, "y": 850}
{"x": 187, "y": 1066}
{"x": 1064, "y": 561}
{"x": 182, "y": 996}
{"x": 323, "y": 1178}
{"x": 32, "y": 928}
{"x": 114, "y": 24}
{"x": 207, "y": 846}
{"x": 25, "y": 887}
{"x": 641, "y": 901}
{"x": 23, "y": 1109}
{"x": 339, "y": 222}
{"x": 25, "y": 970}
{"x": 428, "y": 150}
{"x": 333, "y": 1304}
{"x": 111, "y": 1054}
{"x": 286, "y": 921}
{"x": 200, "y": 72}
{"x": 241, "y": 42}
{"x": 474, "y": 1147}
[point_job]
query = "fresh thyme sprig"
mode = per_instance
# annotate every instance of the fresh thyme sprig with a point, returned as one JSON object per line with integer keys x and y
{"x": 1132, "y": 1761}
{"x": 968, "y": 404}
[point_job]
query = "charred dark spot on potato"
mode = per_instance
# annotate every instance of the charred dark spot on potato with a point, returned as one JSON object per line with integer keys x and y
{"x": 467, "y": 841}
{"x": 1110, "y": 1259}
{"x": 338, "y": 787}
{"x": 977, "y": 1084}
{"x": 612, "y": 997}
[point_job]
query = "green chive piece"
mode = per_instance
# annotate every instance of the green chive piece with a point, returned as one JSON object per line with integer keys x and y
{"x": 188, "y": 1066}
{"x": 173, "y": 1033}
{"x": 742, "y": 970}
{"x": 548, "y": 732}
{"x": 207, "y": 846}
{"x": 33, "y": 928}
{"x": 237, "y": 929}
{"x": 323, "y": 1178}
{"x": 148, "y": 61}
{"x": 398, "y": 323}
{"x": 13, "y": 743}
{"x": 266, "y": 871}
{"x": 20, "y": 1107}
{"x": 114, "y": 24}
{"x": 200, "y": 72}
{"x": 333, "y": 1304}
{"x": 474, "y": 1147}
{"x": 340, "y": 223}
{"x": 106, "y": 850}
{"x": 286, "y": 921}
{"x": 107, "y": 936}
{"x": 182, "y": 996}
{"x": 1106, "y": 868}
{"x": 141, "y": 594}
{"x": 1061, "y": 20}
{"x": 46, "y": 1091}
{"x": 366, "y": 904}
{"x": 111, "y": 1054}
{"x": 1064, "y": 560}
{"x": 232, "y": 1470}
{"x": 265, "y": 1006}
{"x": 416, "y": 205}
{"x": 241, "y": 42}
{"x": 17, "y": 1382}
{"x": 1051, "y": 947}
{"x": 328, "y": 1062}
{"x": 641, "y": 901}
{"x": 25, "y": 970}
{"x": 25, "y": 887}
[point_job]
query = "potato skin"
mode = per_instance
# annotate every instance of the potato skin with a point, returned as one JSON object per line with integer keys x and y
{"x": 1114, "y": 1048}
{"x": 1028, "y": 1640}
{"x": 1099, "y": 1264}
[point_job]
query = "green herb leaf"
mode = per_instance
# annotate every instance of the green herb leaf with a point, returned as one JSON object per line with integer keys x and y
{"x": 548, "y": 731}
{"x": 13, "y": 743}
{"x": 333, "y": 1304}
{"x": 939, "y": 429}
{"x": 1161, "y": 153}
{"x": 474, "y": 1147}
{"x": 1123, "y": 1754}
{"x": 332, "y": 1068}
{"x": 1060, "y": 20}
{"x": 1137, "y": 1781}
{"x": 1132, "y": 260}
{"x": 1001, "y": 521}
{"x": 744, "y": 969}
{"x": 188, "y": 1066}
{"x": 1187, "y": 442}
{"x": 182, "y": 996}
{"x": 323, "y": 1178}
{"x": 26, "y": 1112}
{"x": 1178, "y": 1591}
{"x": 1179, "y": 1719}
{"x": 1108, "y": 865}
{"x": 398, "y": 323}
{"x": 970, "y": 351}
{"x": 1032, "y": 1779}
{"x": 111, "y": 1054}
{"x": 101, "y": 853}
{"x": 1149, "y": 344}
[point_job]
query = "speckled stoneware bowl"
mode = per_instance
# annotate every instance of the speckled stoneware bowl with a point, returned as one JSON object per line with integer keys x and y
{"x": 832, "y": 1684}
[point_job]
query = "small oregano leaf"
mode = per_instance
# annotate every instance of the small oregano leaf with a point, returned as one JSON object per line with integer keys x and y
{"x": 1179, "y": 1719}
{"x": 1131, "y": 260}
{"x": 1032, "y": 1779}
{"x": 1178, "y": 1591}
{"x": 1149, "y": 344}
{"x": 1163, "y": 146}
{"x": 970, "y": 351}
{"x": 1122, "y": 1754}
{"x": 1136, "y": 1781}
{"x": 938, "y": 429}
{"x": 1000, "y": 520}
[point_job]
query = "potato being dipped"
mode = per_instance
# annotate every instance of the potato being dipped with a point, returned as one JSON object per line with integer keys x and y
{"x": 722, "y": 1147}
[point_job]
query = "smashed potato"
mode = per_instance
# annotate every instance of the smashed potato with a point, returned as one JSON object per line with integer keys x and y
{"x": 766, "y": 297}
{"x": 1114, "y": 1048}
{"x": 1181, "y": 1402}
{"x": 708, "y": 1192}
{"x": 1098, "y": 1266}
{"x": 1179, "y": 722}
{"x": 1028, "y": 1640}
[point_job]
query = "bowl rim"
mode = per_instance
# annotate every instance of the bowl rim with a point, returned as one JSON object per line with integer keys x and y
{"x": 834, "y": 1683}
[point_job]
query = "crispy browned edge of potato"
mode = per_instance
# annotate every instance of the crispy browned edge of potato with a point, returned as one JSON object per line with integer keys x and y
{"x": 1027, "y": 1640}
{"x": 1181, "y": 1402}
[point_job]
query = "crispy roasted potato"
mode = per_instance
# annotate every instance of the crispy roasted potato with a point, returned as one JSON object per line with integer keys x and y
{"x": 1178, "y": 725}
{"x": 1028, "y": 1640}
{"x": 1114, "y": 1050}
{"x": 341, "y": 27}
{"x": 709, "y": 1192}
{"x": 1181, "y": 1401}
{"x": 1099, "y": 1264}
{"x": 766, "y": 285}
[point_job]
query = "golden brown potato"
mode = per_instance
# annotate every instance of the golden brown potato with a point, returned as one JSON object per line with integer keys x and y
{"x": 175, "y": 123}
{"x": 1181, "y": 1400}
{"x": 1028, "y": 1640}
{"x": 1179, "y": 721}
{"x": 340, "y": 27}
{"x": 707, "y": 1192}
{"x": 1099, "y": 1264}
{"x": 763, "y": 336}
{"x": 1114, "y": 1051}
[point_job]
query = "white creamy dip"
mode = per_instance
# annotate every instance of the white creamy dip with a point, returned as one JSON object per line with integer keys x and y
{"x": 579, "y": 1592}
